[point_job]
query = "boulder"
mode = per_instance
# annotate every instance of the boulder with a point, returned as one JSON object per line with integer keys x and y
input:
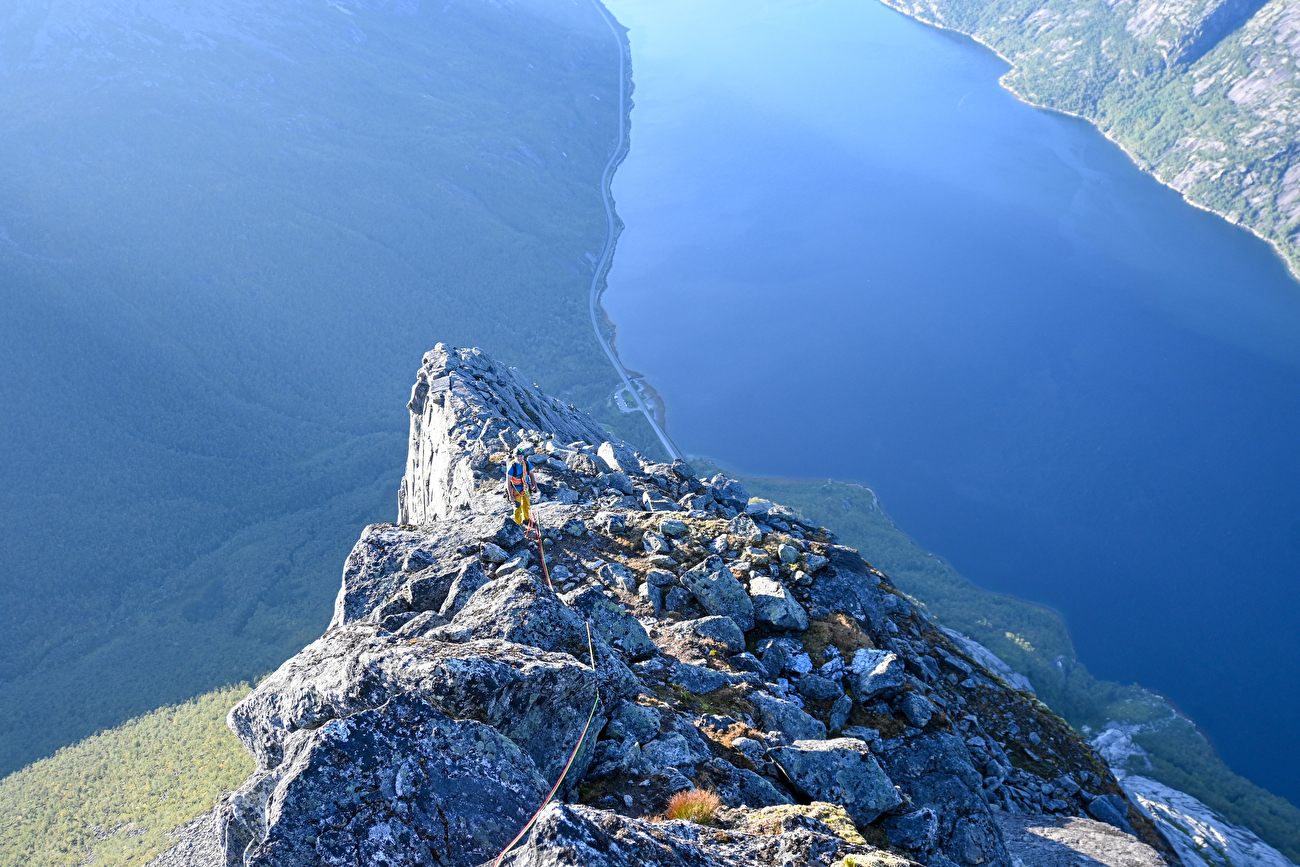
{"x": 1111, "y": 809}
{"x": 466, "y": 583}
{"x": 619, "y": 457}
{"x": 612, "y": 622}
{"x": 728, "y": 492}
{"x": 671, "y": 750}
{"x": 673, "y": 527}
{"x": 738, "y": 787}
{"x": 780, "y": 715}
{"x": 841, "y": 771}
{"x": 876, "y": 674}
{"x": 655, "y": 544}
{"x": 721, "y": 594}
{"x": 427, "y": 590}
{"x": 399, "y": 784}
{"x": 507, "y": 534}
{"x": 634, "y": 722}
{"x": 722, "y": 630}
{"x": 774, "y": 605}
{"x": 840, "y": 711}
{"x": 934, "y": 770}
{"x": 617, "y": 481}
{"x": 743, "y": 532}
{"x": 697, "y": 679}
{"x": 652, "y": 500}
{"x": 374, "y": 570}
{"x": 617, "y": 576}
{"x": 917, "y": 709}
{"x": 819, "y": 688}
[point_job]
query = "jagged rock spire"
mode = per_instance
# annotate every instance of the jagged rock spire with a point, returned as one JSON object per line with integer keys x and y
{"x": 464, "y": 406}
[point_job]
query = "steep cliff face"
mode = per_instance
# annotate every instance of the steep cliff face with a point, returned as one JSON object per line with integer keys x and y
{"x": 663, "y": 634}
{"x": 1203, "y": 93}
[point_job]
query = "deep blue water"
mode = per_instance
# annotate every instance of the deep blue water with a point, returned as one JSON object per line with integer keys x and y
{"x": 1055, "y": 373}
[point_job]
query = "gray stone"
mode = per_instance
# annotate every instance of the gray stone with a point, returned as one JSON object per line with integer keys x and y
{"x": 580, "y": 463}
{"x": 578, "y": 835}
{"x": 427, "y": 590}
{"x": 789, "y": 554}
{"x": 1111, "y": 809}
{"x": 697, "y": 679}
{"x": 507, "y": 534}
{"x": 522, "y": 609}
{"x": 655, "y": 544}
{"x": 466, "y": 583}
{"x": 619, "y": 457}
{"x": 677, "y": 598}
{"x": 655, "y": 595}
{"x": 774, "y": 605}
{"x": 819, "y": 688}
{"x": 721, "y": 594}
{"x": 494, "y": 553}
{"x": 715, "y": 628}
{"x": 633, "y": 722}
{"x": 574, "y": 527}
{"x": 785, "y": 716}
{"x": 917, "y": 709}
{"x": 654, "y": 501}
{"x": 617, "y": 576}
{"x": 728, "y": 492}
{"x": 661, "y": 561}
{"x": 934, "y": 770}
{"x": 841, "y": 771}
{"x": 619, "y": 628}
{"x": 442, "y": 791}
{"x": 741, "y": 787}
{"x": 816, "y": 563}
{"x": 917, "y": 830}
{"x": 661, "y": 578}
{"x": 743, "y": 531}
{"x": 673, "y": 527}
{"x": 613, "y": 523}
{"x": 671, "y": 750}
{"x": 876, "y": 674}
{"x": 840, "y": 713}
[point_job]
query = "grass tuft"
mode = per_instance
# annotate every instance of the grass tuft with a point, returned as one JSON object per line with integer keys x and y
{"x": 697, "y": 805}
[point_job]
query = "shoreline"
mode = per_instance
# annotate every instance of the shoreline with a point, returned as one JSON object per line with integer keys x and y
{"x": 1293, "y": 268}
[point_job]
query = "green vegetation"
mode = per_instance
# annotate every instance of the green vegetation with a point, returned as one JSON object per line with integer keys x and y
{"x": 112, "y": 798}
{"x": 1207, "y": 103}
{"x": 1034, "y": 641}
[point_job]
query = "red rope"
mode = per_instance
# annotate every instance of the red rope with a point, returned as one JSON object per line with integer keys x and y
{"x": 591, "y": 648}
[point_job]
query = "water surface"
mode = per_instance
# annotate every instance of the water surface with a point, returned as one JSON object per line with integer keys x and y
{"x": 849, "y": 253}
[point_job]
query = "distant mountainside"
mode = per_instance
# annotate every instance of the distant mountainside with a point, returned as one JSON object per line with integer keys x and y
{"x": 225, "y": 228}
{"x": 1203, "y": 93}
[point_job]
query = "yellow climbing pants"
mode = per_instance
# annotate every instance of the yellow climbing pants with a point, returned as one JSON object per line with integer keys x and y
{"x": 521, "y": 508}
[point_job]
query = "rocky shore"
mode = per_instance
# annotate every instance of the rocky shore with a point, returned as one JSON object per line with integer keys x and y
{"x": 702, "y": 642}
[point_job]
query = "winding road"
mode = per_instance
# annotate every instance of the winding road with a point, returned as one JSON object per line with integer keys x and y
{"x": 602, "y": 265}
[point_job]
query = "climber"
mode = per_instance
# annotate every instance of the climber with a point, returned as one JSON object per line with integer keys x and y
{"x": 520, "y": 484}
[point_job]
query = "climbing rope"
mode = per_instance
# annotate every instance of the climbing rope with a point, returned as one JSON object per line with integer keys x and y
{"x": 591, "y": 648}
{"x": 535, "y": 527}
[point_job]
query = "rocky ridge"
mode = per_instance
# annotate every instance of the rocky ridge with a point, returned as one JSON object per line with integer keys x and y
{"x": 702, "y": 641}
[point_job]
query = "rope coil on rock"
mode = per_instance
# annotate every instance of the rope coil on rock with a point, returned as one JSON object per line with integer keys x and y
{"x": 591, "y": 648}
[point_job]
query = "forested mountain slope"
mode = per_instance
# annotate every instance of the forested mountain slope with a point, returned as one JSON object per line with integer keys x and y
{"x": 1203, "y": 93}
{"x": 225, "y": 228}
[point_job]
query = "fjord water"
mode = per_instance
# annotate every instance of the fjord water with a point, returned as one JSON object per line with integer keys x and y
{"x": 849, "y": 253}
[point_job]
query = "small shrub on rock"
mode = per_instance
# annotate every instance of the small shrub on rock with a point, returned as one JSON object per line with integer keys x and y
{"x": 696, "y": 805}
